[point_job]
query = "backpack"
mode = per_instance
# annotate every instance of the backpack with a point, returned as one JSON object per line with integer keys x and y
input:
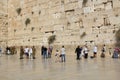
{"x": 102, "y": 55}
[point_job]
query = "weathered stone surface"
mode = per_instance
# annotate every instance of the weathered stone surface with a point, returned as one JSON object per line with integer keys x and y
{"x": 67, "y": 19}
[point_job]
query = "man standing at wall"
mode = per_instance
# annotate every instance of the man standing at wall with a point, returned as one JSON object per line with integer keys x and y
{"x": 34, "y": 52}
{"x": 78, "y": 52}
{"x": 94, "y": 51}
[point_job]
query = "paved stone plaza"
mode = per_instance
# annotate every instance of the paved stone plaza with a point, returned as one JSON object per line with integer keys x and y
{"x": 59, "y": 22}
{"x": 12, "y": 68}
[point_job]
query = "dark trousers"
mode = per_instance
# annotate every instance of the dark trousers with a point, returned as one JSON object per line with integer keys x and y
{"x": 86, "y": 56}
{"x": 78, "y": 56}
{"x": 42, "y": 52}
{"x": 21, "y": 55}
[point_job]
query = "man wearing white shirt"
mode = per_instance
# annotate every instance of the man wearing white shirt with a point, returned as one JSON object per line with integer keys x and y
{"x": 26, "y": 51}
{"x": 86, "y": 52}
{"x": 63, "y": 54}
{"x": 30, "y": 52}
{"x": 94, "y": 51}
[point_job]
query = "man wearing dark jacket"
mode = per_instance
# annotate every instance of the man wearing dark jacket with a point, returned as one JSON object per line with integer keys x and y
{"x": 78, "y": 52}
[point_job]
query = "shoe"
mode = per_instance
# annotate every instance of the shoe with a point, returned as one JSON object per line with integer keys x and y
{"x": 33, "y": 57}
{"x": 21, "y": 58}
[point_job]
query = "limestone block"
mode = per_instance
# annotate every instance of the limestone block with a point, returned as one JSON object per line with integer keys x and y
{"x": 35, "y": 20}
{"x": 80, "y": 3}
{"x": 44, "y": 12}
{"x": 69, "y": 14}
{"x": 66, "y": 1}
{"x": 29, "y": 9}
{"x": 96, "y": 31}
{"x": 99, "y": 22}
{"x": 74, "y": 38}
{"x": 88, "y": 9}
{"x": 43, "y": 18}
{"x": 42, "y": 1}
{"x": 73, "y": 26}
{"x": 100, "y": 1}
{"x": 71, "y": 6}
{"x": 12, "y": 12}
{"x": 110, "y": 13}
{"x": 57, "y": 15}
{"x": 85, "y": 23}
{"x": 26, "y": 1}
{"x": 70, "y": 1}
{"x": 46, "y": 28}
{"x": 114, "y": 20}
{"x": 35, "y": 8}
{"x": 99, "y": 7}
{"x": 44, "y": 5}
{"x": 56, "y": 9}
{"x": 116, "y": 12}
{"x": 14, "y": 3}
{"x": 73, "y": 18}
{"x": 108, "y": 6}
{"x": 116, "y": 3}
{"x": 58, "y": 27}
{"x": 22, "y": 2}
{"x": 55, "y": 3}
{"x": 31, "y": 3}
{"x": 52, "y": 22}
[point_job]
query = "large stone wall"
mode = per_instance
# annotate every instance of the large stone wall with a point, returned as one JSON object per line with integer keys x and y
{"x": 3, "y": 23}
{"x": 72, "y": 21}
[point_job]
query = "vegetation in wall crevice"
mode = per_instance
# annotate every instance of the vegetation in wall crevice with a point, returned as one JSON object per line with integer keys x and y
{"x": 18, "y": 10}
{"x": 51, "y": 39}
{"x": 84, "y": 3}
{"x": 27, "y": 21}
{"x": 83, "y": 35}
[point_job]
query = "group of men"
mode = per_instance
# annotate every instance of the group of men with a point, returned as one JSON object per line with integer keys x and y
{"x": 29, "y": 52}
{"x": 46, "y": 52}
{"x": 11, "y": 50}
{"x": 84, "y": 52}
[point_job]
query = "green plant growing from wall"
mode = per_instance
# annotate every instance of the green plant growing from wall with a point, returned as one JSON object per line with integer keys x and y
{"x": 39, "y": 12}
{"x": 117, "y": 35}
{"x": 32, "y": 28}
{"x": 27, "y": 21}
{"x": 83, "y": 35}
{"x": 62, "y": 2}
{"x": 18, "y": 10}
{"x": 84, "y": 3}
{"x": 51, "y": 39}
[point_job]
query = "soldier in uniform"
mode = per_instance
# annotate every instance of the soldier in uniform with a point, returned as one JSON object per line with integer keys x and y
{"x": 21, "y": 52}
{"x": 34, "y": 52}
{"x": 14, "y": 50}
